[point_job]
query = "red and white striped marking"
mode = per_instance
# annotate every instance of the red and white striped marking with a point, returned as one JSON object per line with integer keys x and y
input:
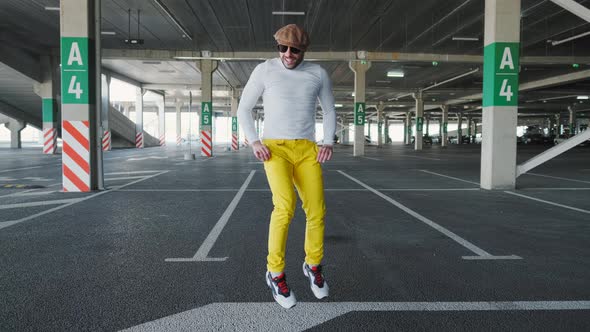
{"x": 139, "y": 140}
{"x": 234, "y": 142}
{"x": 49, "y": 140}
{"x": 76, "y": 156}
{"x": 245, "y": 142}
{"x": 178, "y": 140}
{"x": 205, "y": 143}
{"x": 106, "y": 140}
{"x": 162, "y": 140}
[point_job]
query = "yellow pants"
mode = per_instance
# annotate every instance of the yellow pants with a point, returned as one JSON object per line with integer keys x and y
{"x": 293, "y": 162}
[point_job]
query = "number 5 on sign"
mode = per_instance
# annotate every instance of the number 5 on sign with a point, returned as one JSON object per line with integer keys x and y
{"x": 74, "y": 87}
{"x": 506, "y": 90}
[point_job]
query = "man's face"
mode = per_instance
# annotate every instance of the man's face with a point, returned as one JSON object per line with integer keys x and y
{"x": 291, "y": 57}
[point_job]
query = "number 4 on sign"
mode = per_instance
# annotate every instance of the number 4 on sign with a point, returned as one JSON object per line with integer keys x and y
{"x": 506, "y": 90}
{"x": 75, "y": 87}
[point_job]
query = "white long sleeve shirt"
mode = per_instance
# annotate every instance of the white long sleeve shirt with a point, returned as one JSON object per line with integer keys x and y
{"x": 290, "y": 99}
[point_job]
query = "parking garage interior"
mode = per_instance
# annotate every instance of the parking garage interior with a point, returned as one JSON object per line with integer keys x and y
{"x": 458, "y": 197}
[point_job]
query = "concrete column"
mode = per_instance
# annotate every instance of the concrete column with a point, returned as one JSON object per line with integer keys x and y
{"x": 48, "y": 90}
{"x": 235, "y": 144}
{"x": 558, "y": 124}
{"x": 126, "y": 107}
{"x": 380, "y": 108}
{"x": 572, "y": 120}
{"x": 178, "y": 106}
{"x": 459, "y": 128}
{"x": 445, "y": 122}
{"x": 15, "y": 128}
{"x": 368, "y": 129}
{"x": 419, "y": 120}
{"x": 386, "y": 129}
{"x": 500, "y": 91}
{"x": 474, "y": 129}
{"x": 408, "y": 126}
{"x": 469, "y": 129}
{"x": 104, "y": 113}
{"x": 80, "y": 95}
{"x": 162, "y": 121}
{"x": 207, "y": 67}
{"x": 427, "y": 120}
{"x": 139, "y": 143}
{"x": 360, "y": 69}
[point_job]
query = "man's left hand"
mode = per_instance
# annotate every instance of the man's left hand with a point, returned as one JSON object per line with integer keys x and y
{"x": 325, "y": 153}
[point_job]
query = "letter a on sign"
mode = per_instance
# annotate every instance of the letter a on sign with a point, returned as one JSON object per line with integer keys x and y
{"x": 75, "y": 55}
{"x": 206, "y": 108}
{"x": 507, "y": 59}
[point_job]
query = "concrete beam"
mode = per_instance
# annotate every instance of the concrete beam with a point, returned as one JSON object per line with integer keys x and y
{"x": 552, "y": 152}
{"x": 574, "y": 8}
{"x": 20, "y": 115}
{"x": 21, "y": 61}
{"x": 171, "y": 55}
{"x": 120, "y": 77}
{"x": 532, "y": 85}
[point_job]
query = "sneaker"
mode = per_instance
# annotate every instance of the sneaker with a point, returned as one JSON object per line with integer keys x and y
{"x": 280, "y": 290}
{"x": 318, "y": 284}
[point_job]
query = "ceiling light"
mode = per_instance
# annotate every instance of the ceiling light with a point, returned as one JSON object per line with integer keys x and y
{"x": 288, "y": 13}
{"x": 52, "y": 8}
{"x": 108, "y": 33}
{"x": 582, "y": 97}
{"x": 338, "y": 105}
{"x": 352, "y": 94}
{"x": 466, "y": 38}
{"x": 395, "y": 73}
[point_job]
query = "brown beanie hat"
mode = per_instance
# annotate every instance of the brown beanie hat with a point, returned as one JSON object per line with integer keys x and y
{"x": 292, "y": 35}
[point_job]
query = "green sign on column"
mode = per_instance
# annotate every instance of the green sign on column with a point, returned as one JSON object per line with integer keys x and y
{"x": 419, "y": 123}
{"x": 445, "y": 127}
{"x": 359, "y": 114}
{"x": 74, "y": 70}
{"x": 500, "y": 74}
{"x": 206, "y": 110}
{"x": 234, "y": 123}
{"x": 48, "y": 109}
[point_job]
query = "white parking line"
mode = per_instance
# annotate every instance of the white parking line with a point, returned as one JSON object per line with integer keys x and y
{"x": 203, "y": 252}
{"x": 132, "y": 172}
{"x": 126, "y": 178}
{"x": 540, "y": 189}
{"x": 481, "y": 254}
{"x": 256, "y": 316}
{"x": 547, "y": 202}
{"x": 405, "y": 155}
{"x": 19, "y": 169}
{"x": 557, "y": 177}
{"x": 4, "y": 224}
{"x": 450, "y": 177}
{"x": 371, "y": 158}
{"x": 41, "y": 203}
{"x": 175, "y": 190}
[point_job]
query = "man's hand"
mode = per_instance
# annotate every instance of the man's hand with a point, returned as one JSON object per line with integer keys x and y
{"x": 261, "y": 151}
{"x": 325, "y": 153}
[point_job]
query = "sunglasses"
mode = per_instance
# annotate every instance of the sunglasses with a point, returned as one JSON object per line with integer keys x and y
{"x": 284, "y": 48}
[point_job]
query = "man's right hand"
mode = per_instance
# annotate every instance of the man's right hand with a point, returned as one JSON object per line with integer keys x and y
{"x": 261, "y": 151}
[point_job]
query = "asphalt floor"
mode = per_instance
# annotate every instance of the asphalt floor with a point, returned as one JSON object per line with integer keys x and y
{"x": 411, "y": 244}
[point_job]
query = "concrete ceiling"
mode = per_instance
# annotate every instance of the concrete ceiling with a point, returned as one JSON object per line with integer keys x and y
{"x": 426, "y": 26}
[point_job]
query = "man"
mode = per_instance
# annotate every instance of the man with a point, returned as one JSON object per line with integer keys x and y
{"x": 290, "y": 89}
